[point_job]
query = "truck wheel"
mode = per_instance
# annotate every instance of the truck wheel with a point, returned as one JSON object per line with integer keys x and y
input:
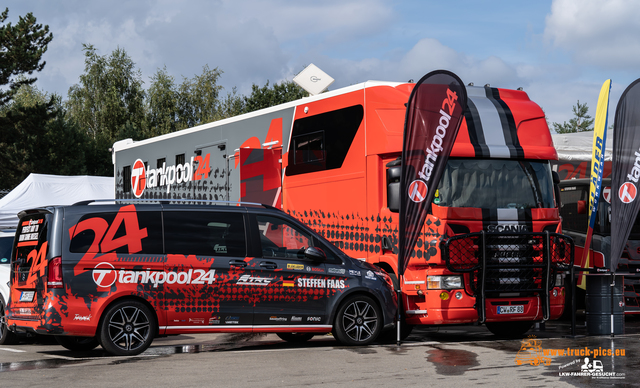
{"x": 509, "y": 329}
{"x": 295, "y": 337}
{"x": 358, "y": 321}
{"x": 77, "y": 344}
{"x": 127, "y": 328}
{"x": 6, "y": 336}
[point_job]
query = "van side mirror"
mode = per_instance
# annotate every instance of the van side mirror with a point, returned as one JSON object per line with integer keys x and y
{"x": 582, "y": 207}
{"x": 315, "y": 254}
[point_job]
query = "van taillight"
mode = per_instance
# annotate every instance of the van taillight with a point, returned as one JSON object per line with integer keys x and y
{"x": 54, "y": 276}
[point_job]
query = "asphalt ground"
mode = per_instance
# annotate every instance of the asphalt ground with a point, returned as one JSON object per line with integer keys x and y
{"x": 443, "y": 356}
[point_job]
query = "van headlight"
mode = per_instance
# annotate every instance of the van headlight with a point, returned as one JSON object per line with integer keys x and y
{"x": 444, "y": 282}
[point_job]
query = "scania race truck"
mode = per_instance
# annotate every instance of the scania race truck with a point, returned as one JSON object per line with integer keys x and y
{"x": 489, "y": 251}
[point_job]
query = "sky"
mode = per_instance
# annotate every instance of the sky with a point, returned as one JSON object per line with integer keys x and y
{"x": 558, "y": 51}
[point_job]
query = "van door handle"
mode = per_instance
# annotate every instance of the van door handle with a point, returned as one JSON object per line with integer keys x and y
{"x": 269, "y": 265}
{"x": 237, "y": 263}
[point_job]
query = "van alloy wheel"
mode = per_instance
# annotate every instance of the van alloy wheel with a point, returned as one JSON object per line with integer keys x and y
{"x": 127, "y": 328}
{"x": 358, "y": 321}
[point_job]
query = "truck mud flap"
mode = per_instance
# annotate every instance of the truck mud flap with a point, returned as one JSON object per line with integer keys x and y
{"x": 495, "y": 264}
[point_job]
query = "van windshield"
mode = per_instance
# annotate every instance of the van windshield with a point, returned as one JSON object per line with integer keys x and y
{"x": 496, "y": 183}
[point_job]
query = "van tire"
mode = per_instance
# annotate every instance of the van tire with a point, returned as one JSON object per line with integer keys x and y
{"x": 295, "y": 337}
{"x": 515, "y": 329}
{"x": 358, "y": 322}
{"x": 77, "y": 344}
{"x": 127, "y": 328}
{"x": 7, "y": 337}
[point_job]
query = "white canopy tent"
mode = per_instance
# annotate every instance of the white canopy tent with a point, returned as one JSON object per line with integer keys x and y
{"x": 44, "y": 190}
{"x": 579, "y": 146}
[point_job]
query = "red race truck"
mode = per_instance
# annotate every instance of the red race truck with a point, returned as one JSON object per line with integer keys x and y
{"x": 489, "y": 251}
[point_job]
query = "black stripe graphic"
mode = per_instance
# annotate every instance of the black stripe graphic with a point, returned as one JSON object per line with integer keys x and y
{"x": 476, "y": 134}
{"x": 508, "y": 123}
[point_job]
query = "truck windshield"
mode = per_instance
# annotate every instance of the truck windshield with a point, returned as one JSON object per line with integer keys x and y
{"x": 496, "y": 183}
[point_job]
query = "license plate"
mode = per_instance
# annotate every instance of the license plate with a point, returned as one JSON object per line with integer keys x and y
{"x": 511, "y": 309}
{"x": 27, "y": 296}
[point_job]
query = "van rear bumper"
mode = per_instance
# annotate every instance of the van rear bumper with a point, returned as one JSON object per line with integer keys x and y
{"x": 30, "y": 326}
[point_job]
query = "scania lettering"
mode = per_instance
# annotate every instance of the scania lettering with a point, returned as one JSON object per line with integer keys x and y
{"x": 333, "y": 161}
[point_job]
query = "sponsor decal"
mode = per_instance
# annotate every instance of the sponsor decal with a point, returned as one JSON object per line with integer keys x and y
{"x": 29, "y": 231}
{"x": 79, "y": 317}
{"x": 353, "y": 272}
{"x": 340, "y": 271}
{"x": 197, "y": 320}
{"x": 418, "y": 190}
{"x": 314, "y": 269}
{"x": 507, "y": 228}
{"x": 249, "y": 280}
{"x": 297, "y": 267}
{"x": 296, "y": 319}
{"x": 606, "y": 194}
{"x": 143, "y": 177}
{"x": 277, "y": 319}
{"x": 288, "y": 283}
{"x": 627, "y": 192}
{"x": 105, "y": 275}
{"x": 215, "y": 320}
{"x": 314, "y": 319}
{"x": 369, "y": 275}
{"x": 220, "y": 248}
{"x": 232, "y": 320}
{"x": 321, "y": 283}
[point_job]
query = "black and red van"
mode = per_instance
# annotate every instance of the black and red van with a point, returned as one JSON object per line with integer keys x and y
{"x": 120, "y": 274}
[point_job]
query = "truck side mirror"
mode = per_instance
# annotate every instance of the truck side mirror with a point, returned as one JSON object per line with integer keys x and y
{"x": 394, "y": 171}
{"x": 582, "y": 207}
{"x": 556, "y": 187}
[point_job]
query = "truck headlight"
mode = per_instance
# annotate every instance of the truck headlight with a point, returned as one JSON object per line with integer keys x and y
{"x": 444, "y": 282}
{"x": 560, "y": 280}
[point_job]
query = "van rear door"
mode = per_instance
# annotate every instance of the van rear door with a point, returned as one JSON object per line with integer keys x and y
{"x": 29, "y": 264}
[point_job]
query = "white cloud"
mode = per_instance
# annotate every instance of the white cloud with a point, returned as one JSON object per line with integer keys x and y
{"x": 596, "y": 32}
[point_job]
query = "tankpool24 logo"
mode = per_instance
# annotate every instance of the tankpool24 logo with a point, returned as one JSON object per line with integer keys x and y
{"x": 143, "y": 177}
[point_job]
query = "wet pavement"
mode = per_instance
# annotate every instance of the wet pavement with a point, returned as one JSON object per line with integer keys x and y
{"x": 443, "y": 356}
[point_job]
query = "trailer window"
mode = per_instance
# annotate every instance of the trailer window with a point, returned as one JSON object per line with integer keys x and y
{"x": 321, "y": 142}
{"x": 126, "y": 179}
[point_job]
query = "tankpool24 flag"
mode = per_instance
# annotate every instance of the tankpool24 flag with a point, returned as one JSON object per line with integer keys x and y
{"x": 625, "y": 170}
{"x": 434, "y": 113}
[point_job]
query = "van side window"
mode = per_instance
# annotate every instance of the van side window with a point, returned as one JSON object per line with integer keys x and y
{"x": 279, "y": 238}
{"x": 120, "y": 232}
{"x": 205, "y": 233}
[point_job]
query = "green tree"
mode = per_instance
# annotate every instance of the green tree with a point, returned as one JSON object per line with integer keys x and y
{"x": 198, "y": 98}
{"x": 38, "y": 138}
{"x": 580, "y": 123}
{"x": 264, "y": 97}
{"x": 109, "y": 95}
{"x": 162, "y": 100}
{"x": 21, "y": 48}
